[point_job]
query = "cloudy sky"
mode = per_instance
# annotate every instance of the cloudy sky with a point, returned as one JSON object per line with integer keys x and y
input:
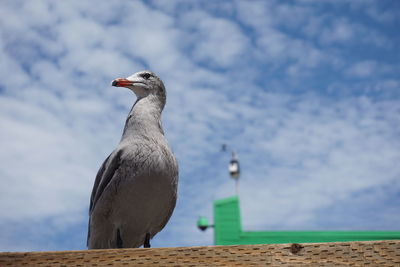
{"x": 307, "y": 93}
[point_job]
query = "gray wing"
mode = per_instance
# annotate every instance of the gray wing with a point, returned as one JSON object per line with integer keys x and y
{"x": 103, "y": 178}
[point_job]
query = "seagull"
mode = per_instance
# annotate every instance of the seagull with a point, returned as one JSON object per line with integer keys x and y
{"x": 135, "y": 190}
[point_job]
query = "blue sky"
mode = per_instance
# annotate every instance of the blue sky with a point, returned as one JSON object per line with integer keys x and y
{"x": 307, "y": 92}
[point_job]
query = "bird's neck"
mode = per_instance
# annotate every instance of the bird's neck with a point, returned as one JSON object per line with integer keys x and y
{"x": 144, "y": 118}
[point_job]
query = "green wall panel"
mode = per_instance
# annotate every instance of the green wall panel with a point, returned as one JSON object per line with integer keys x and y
{"x": 228, "y": 230}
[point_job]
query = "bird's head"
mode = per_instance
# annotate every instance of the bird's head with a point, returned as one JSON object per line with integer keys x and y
{"x": 143, "y": 84}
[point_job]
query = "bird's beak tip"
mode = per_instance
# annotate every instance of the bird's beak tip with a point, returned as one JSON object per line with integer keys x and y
{"x": 121, "y": 82}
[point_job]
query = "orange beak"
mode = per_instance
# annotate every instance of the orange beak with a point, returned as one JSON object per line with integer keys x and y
{"x": 121, "y": 82}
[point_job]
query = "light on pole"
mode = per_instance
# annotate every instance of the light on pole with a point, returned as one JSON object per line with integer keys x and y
{"x": 234, "y": 168}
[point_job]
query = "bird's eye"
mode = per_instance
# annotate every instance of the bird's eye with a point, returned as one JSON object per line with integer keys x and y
{"x": 146, "y": 75}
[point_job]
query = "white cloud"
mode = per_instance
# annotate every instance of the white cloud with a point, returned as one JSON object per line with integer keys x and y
{"x": 43, "y": 163}
{"x": 274, "y": 40}
{"x": 362, "y": 69}
{"x": 317, "y": 153}
{"x": 216, "y": 41}
{"x": 370, "y": 69}
{"x": 341, "y": 30}
{"x": 388, "y": 15}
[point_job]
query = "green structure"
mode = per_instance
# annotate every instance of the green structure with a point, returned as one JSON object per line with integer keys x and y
{"x": 228, "y": 230}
